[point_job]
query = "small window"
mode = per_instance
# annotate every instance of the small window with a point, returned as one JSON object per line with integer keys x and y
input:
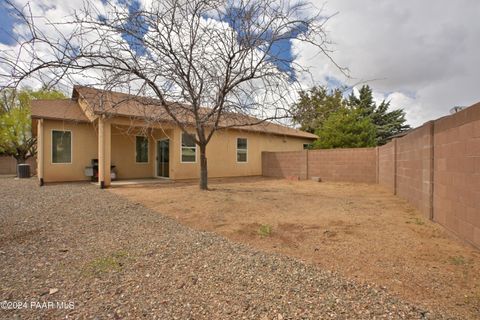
{"x": 307, "y": 146}
{"x": 141, "y": 149}
{"x": 61, "y": 146}
{"x": 242, "y": 150}
{"x": 189, "y": 148}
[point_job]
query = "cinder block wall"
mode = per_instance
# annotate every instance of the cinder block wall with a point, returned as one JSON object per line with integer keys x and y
{"x": 456, "y": 178}
{"x": 414, "y": 160}
{"x": 8, "y": 165}
{"x": 435, "y": 167}
{"x": 284, "y": 164}
{"x": 386, "y": 166}
{"x": 438, "y": 171}
{"x": 353, "y": 165}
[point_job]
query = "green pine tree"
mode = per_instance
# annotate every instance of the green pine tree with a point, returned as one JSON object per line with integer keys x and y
{"x": 346, "y": 128}
{"x": 388, "y": 123}
{"x": 364, "y": 102}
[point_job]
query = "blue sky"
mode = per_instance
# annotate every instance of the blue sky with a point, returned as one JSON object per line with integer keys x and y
{"x": 282, "y": 49}
{"x": 6, "y": 24}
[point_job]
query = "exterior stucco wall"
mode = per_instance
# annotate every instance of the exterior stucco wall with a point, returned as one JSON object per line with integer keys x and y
{"x": 123, "y": 152}
{"x": 84, "y": 149}
{"x": 222, "y": 153}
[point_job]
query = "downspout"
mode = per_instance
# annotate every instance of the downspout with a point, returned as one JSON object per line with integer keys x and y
{"x": 40, "y": 152}
{"x": 101, "y": 152}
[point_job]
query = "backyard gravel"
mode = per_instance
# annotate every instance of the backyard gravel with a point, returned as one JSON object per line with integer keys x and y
{"x": 92, "y": 254}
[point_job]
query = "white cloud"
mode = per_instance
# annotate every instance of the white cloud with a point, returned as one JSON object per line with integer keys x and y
{"x": 214, "y": 41}
{"x": 423, "y": 55}
{"x": 52, "y": 18}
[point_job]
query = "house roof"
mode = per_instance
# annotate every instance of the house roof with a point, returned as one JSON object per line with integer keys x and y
{"x": 61, "y": 109}
{"x": 124, "y": 105}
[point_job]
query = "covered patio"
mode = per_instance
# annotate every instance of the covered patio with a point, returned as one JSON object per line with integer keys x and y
{"x": 107, "y": 149}
{"x": 139, "y": 182}
{"x": 130, "y": 153}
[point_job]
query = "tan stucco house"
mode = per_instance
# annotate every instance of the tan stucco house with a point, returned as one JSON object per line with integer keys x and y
{"x": 128, "y": 144}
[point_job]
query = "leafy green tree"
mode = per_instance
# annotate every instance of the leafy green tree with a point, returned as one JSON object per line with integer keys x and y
{"x": 16, "y": 138}
{"x": 315, "y": 105}
{"x": 388, "y": 123}
{"x": 346, "y": 128}
{"x": 7, "y": 100}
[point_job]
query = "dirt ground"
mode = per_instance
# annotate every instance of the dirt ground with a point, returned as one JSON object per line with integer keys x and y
{"x": 358, "y": 230}
{"x": 64, "y": 256}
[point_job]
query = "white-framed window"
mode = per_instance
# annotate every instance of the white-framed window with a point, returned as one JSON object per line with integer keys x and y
{"x": 189, "y": 148}
{"x": 141, "y": 149}
{"x": 61, "y": 146}
{"x": 242, "y": 150}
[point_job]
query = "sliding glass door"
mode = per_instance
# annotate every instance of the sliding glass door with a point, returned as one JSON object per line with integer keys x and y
{"x": 163, "y": 152}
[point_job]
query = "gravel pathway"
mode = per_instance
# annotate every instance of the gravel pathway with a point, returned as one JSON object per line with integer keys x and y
{"x": 74, "y": 251}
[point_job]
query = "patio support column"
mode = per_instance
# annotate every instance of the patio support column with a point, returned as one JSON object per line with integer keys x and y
{"x": 40, "y": 151}
{"x": 104, "y": 152}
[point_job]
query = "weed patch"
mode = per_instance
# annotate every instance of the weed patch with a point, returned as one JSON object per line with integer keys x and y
{"x": 457, "y": 260}
{"x": 265, "y": 230}
{"x": 416, "y": 220}
{"x": 106, "y": 264}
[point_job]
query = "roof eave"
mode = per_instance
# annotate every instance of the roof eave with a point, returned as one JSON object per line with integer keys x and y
{"x": 37, "y": 117}
{"x": 245, "y": 128}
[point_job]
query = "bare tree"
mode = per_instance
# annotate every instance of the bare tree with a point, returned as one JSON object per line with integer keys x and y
{"x": 209, "y": 64}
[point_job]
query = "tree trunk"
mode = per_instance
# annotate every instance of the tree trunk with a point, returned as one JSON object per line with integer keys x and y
{"x": 203, "y": 167}
{"x": 20, "y": 159}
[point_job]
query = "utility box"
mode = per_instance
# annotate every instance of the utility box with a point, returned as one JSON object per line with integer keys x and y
{"x": 23, "y": 170}
{"x": 89, "y": 171}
